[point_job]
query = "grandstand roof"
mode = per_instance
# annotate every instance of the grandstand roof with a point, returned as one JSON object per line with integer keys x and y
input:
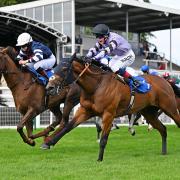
{"x": 143, "y": 17}
{"x": 11, "y": 25}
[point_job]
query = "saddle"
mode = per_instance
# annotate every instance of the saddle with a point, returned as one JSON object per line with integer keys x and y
{"x": 38, "y": 77}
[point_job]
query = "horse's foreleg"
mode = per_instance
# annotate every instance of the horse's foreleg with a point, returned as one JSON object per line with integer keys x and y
{"x": 151, "y": 115}
{"x": 81, "y": 115}
{"x": 107, "y": 120}
{"x": 131, "y": 129}
{"x": 57, "y": 113}
{"x": 68, "y": 106}
{"x": 29, "y": 128}
{"x": 98, "y": 129}
{"x": 27, "y": 117}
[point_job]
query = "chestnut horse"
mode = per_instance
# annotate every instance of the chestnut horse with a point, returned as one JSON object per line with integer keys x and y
{"x": 104, "y": 96}
{"x": 30, "y": 97}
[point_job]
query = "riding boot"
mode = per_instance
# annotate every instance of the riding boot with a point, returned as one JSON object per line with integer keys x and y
{"x": 42, "y": 72}
{"x": 128, "y": 78}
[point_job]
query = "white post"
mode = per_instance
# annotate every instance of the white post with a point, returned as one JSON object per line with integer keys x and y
{"x": 170, "y": 22}
{"x": 37, "y": 121}
{"x": 73, "y": 27}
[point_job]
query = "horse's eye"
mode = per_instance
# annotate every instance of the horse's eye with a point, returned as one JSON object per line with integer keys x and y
{"x": 52, "y": 78}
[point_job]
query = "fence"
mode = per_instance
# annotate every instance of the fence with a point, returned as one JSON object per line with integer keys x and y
{"x": 10, "y": 117}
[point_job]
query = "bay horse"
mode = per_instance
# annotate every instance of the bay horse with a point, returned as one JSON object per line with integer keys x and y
{"x": 30, "y": 97}
{"x": 104, "y": 96}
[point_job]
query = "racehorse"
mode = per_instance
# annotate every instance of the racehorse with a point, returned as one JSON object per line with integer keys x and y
{"x": 134, "y": 117}
{"x": 30, "y": 97}
{"x": 104, "y": 96}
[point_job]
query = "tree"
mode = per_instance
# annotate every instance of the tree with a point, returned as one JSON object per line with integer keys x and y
{"x": 12, "y": 2}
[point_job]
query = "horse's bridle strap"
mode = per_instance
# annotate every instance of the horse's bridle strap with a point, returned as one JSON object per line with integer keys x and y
{"x": 83, "y": 71}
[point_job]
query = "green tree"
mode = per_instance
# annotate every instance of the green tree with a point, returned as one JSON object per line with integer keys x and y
{"x": 12, "y": 2}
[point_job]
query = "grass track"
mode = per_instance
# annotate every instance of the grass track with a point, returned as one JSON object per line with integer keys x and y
{"x": 126, "y": 157}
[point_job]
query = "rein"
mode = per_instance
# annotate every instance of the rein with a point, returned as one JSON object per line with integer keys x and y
{"x": 83, "y": 71}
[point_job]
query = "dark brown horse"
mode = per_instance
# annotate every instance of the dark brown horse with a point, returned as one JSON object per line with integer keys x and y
{"x": 104, "y": 96}
{"x": 30, "y": 97}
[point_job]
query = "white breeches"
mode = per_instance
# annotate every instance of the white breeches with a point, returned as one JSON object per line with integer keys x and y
{"x": 44, "y": 64}
{"x": 118, "y": 62}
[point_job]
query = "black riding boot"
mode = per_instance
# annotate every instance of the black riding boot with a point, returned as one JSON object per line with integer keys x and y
{"x": 42, "y": 72}
{"x": 128, "y": 77}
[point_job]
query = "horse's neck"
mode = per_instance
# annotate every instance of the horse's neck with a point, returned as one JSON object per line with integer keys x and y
{"x": 90, "y": 84}
{"x": 13, "y": 76}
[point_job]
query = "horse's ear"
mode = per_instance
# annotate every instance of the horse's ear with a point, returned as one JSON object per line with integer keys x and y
{"x": 4, "y": 51}
{"x": 73, "y": 57}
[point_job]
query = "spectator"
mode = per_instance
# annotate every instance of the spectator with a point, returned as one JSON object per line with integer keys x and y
{"x": 173, "y": 81}
{"x": 145, "y": 69}
{"x": 146, "y": 49}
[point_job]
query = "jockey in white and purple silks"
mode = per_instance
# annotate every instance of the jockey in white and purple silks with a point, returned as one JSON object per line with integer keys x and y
{"x": 112, "y": 50}
{"x": 35, "y": 54}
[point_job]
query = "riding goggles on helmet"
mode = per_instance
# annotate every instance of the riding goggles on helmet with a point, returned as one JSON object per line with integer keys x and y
{"x": 25, "y": 45}
{"x": 99, "y": 36}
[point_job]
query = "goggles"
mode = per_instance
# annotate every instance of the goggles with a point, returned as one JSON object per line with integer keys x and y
{"x": 25, "y": 45}
{"x": 99, "y": 36}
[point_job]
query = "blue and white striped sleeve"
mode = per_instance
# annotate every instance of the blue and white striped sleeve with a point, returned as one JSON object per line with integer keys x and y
{"x": 38, "y": 55}
{"x": 21, "y": 55}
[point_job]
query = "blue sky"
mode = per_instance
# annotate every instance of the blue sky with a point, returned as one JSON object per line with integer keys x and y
{"x": 162, "y": 37}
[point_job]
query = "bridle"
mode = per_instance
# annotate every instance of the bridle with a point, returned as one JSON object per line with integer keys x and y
{"x": 82, "y": 72}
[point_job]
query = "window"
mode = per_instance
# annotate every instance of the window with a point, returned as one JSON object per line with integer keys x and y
{"x": 38, "y": 13}
{"x": 48, "y": 13}
{"x": 58, "y": 12}
{"x": 29, "y": 12}
{"x": 67, "y": 13}
{"x": 67, "y": 29}
{"x": 58, "y": 26}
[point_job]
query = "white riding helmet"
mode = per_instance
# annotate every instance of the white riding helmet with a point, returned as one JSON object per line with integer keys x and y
{"x": 23, "y": 39}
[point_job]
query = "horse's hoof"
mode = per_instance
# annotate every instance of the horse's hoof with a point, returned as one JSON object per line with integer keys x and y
{"x": 133, "y": 133}
{"x": 31, "y": 142}
{"x": 45, "y": 146}
{"x": 99, "y": 160}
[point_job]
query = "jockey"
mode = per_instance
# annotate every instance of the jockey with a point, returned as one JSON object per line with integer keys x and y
{"x": 35, "y": 54}
{"x": 112, "y": 50}
{"x": 145, "y": 69}
{"x": 174, "y": 82}
{"x": 171, "y": 79}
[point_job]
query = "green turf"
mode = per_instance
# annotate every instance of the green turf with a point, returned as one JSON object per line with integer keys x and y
{"x": 125, "y": 158}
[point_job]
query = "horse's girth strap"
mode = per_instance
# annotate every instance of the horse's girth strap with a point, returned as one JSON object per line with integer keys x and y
{"x": 131, "y": 103}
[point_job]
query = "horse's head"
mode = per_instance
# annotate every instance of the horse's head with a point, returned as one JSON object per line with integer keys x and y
{"x": 62, "y": 77}
{"x": 53, "y": 85}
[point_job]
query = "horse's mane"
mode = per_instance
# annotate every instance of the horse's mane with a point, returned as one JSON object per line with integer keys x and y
{"x": 95, "y": 65}
{"x": 63, "y": 69}
{"x": 12, "y": 53}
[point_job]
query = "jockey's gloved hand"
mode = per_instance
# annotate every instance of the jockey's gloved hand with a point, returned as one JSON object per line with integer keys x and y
{"x": 100, "y": 55}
